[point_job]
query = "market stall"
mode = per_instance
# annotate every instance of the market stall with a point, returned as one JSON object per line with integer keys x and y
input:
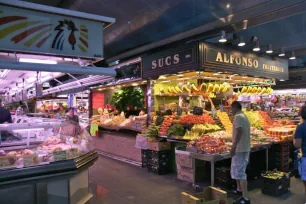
{"x": 192, "y": 86}
{"x": 119, "y": 112}
{"x": 45, "y": 160}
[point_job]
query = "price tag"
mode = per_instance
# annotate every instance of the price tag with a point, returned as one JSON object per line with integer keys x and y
{"x": 214, "y": 112}
{"x": 8, "y": 161}
{"x": 30, "y": 160}
{"x": 72, "y": 153}
{"x": 60, "y": 155}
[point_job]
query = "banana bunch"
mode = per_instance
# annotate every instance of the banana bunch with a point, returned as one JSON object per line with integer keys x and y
{"x": 174, "y": 90}
{"x": 213, "y": 88}
{"x": 256, "y": 90}
{"x": 152, "y": 131}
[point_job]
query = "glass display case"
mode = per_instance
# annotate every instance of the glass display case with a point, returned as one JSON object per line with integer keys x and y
{"x": 38, "y": 143}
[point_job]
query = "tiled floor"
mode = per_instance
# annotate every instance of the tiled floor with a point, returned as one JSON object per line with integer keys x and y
{"x": 114, "y": 182}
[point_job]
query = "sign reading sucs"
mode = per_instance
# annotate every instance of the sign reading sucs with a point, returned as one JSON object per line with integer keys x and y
{"x": 34, "y": 31}
{"x": 167, "y": 61}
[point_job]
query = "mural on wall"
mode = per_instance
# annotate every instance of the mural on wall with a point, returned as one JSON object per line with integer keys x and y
{"x": 37, "y": 32}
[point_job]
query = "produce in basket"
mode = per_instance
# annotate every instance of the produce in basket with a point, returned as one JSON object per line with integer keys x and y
{"x": 209, "y": 145}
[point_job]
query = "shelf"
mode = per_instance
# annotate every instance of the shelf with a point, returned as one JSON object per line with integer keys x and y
{"x": 178, "y": 95}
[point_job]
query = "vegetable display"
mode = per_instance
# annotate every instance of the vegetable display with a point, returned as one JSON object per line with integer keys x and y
{"x": 176, "y": 130}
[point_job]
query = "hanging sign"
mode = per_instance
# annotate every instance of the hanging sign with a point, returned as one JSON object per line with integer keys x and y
{"x": 129, "y": 71}
{"x": 171, "y": 61}
{"x": 297, "y": 80}
{"x": 97, "y": 100}
{"x": 227, "y": 60}
{"x": 42, "y": 32}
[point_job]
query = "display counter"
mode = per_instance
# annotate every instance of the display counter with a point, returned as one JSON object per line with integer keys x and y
{"x": 58, "y": 182}
{"x": 118, "y": 143}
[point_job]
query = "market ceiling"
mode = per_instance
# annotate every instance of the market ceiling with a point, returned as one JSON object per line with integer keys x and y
{"x": 143, "y": 22}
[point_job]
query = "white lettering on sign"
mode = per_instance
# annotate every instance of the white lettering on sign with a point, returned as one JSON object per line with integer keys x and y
{"x": 169, "y": 60}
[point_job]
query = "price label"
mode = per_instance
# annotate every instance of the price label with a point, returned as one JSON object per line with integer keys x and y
{"x": 60, "y": 155}
{"x": 30, "y": 160}
{"x": 72, "y": 153}
{"x": 8, "y": 161}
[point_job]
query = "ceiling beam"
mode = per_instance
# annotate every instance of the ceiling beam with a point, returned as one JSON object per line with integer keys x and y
{"x": 264, "y": 13}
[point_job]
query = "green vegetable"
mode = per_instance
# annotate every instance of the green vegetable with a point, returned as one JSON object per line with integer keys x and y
{"x": 176, "y": 130}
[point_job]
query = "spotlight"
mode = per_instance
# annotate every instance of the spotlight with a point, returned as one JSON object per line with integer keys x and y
{"x": 223, "y": 37}
{"x": 269, "y": 50}
{"x": 241, "y": 42}
{"x": 281, "y": 52}
{"x": 256, "y": 48}
{"x": 292, "y": 56}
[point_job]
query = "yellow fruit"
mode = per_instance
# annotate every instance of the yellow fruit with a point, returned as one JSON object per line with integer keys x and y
{"x": 249, "y": 89}
{"x": 169, "y": 89}
{"x": 216, "y": 88}
{"x": 185, "y": 88}
{"x": 178, "y": 89}
{"x": 263, "y": 91}
{"x": 221, "y": 87}
{"x": 173, "y": 90}
{"x": 203, "y": 87}
{"x": 210, "y": 87}
{"x": 161, "y": 90}
{"x": 244, "y": 89}
{"x": 194, "y": 87}
{"x": 259, "y": 90}
{"x": 254, "y": 90}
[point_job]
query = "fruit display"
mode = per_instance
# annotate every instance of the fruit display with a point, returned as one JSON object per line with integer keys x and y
{"x": 265, "y": 117}
{"x": 209, "y": 145}
{"x": 220, "y": 135}
{"x": 176, "y": 130}
{"x": 253, "y": 117}
{"x": 196, "y": 119}
{"x": 165, "y": 125}
{"x": 218, "y": 122}
{"x": 200, "y": 129}
{"x": 281, "y": 133}
{"x": 151, "y": 131}
{"x": 249, "y": 90}
{"x": 275, "y": 175}
{"x": 226, "y": 122}
{"x": 172, "y": 106}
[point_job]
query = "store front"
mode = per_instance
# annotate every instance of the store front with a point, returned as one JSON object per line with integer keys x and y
{"x": 192, "y": 86}
{"x": 119, "y": 113}
{"x": 46, "y": 161}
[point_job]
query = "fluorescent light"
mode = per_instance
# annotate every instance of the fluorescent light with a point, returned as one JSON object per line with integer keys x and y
{"x": 282, "y": 52}
{"x": 241, "y": 42}
{"x": 292, "y": 57}
{"x": 180, "y": 75}
{"x": 27, "y": 60}
{"x": 223, "y": 37}
{"x": 269, "y": 50}
{"x": 244, "y": 77}
{"x": 4, "y": 73}
{"x": 134, "y": 84}
{"x": 282, "y": 80}
{"x": 215, "y": 74}
{"x": 256, "y": 47}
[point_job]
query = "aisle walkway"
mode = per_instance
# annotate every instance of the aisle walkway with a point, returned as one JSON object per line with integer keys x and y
{"x": 114, "y": 182}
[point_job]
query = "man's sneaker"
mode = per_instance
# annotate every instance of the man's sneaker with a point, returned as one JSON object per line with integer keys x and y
{"x": 242, "y": 200}
{"x": 237, "y": 192}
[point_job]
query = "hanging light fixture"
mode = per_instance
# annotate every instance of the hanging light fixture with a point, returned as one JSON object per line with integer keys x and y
{"x": 256, "y": 48}
{"x": 281, "y": 52}
{"x": 292, "y": 56}
{"x": 223, "y": 37}
{"x": 269, "y": 50}
{"x": 241, "y": 42}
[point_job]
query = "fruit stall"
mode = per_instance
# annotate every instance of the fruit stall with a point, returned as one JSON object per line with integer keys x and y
{"x": 119, "y": 113}
{"x": 189, "y": 96}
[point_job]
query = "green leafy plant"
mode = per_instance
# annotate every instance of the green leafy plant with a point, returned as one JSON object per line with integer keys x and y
{"x": 128, "y": 97}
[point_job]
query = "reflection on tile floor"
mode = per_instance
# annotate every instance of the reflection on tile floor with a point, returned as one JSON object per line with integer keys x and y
{"x": 114, "y": 182}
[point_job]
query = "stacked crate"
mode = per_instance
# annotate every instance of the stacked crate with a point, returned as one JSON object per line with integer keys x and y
{"x": 282, "y": 156}
{"x": 189, "y": 170}
{"x": 276, "y": 183}
{"x": 157, "y": 161}
{"x": 223, "y": 178}
{"x": 144, "y": 158}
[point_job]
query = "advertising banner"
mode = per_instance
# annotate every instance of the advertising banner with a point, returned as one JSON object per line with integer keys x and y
{"x": 40, "y": 32}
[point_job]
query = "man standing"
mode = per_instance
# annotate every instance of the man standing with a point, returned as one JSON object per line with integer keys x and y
{"x": 299, "y": 141}
{"x": 5, "y": 115}
{"x": 240, "y": 151}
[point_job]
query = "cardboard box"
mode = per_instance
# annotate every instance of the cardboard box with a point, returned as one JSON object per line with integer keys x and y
{"x": 183, "y": 158}
{"x": 185, "y": 176}
{"x": 210, "y": 195}
{"x": 158, "y": 146}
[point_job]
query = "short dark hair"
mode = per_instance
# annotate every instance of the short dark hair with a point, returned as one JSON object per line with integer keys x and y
{"x": 71, "y": 108}
{"x": 237, "y": 105}
{"x": 303, "y": 112}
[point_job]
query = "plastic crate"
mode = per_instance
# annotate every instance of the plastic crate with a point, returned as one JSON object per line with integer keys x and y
{"x": 223, "y": 172}
{"x": 158, "y": 170}
{"x": 226, "y": 182}
{"x": 275, "y": 192}
{"x": 159, "y": 154}
{"x": 159, "y": 162}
